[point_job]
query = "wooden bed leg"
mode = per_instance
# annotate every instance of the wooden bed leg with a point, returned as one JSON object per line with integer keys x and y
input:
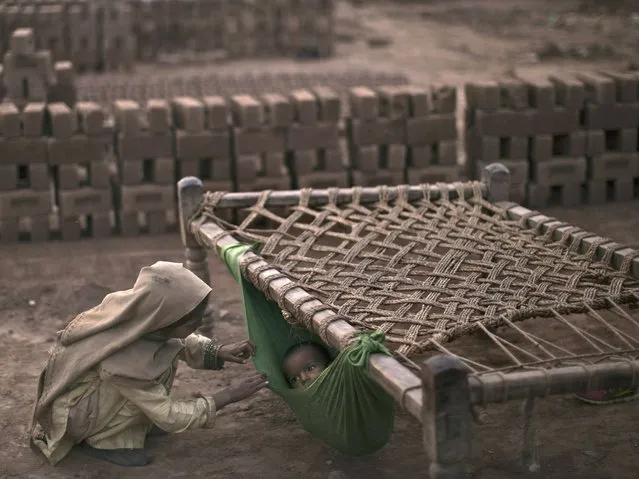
{"x": 497, "y": 179}
{"x": 190, "y": 196}
{"x": 530, "y": 447}
{"x": 446, "y": 416}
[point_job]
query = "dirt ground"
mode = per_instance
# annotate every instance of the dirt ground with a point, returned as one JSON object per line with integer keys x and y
{"x": 42, "y": 286}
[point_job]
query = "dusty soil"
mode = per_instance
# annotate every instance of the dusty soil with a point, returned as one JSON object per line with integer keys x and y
{"x": 42, "y": 286}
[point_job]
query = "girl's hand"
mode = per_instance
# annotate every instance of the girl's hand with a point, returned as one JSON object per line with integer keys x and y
{"x": 236, "y": 352}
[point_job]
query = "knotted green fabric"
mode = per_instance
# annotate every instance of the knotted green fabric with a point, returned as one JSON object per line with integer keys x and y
{"x": 344, "y": 406}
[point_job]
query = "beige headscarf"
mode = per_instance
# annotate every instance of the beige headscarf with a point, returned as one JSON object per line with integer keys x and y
{"x": 114, "y": 336}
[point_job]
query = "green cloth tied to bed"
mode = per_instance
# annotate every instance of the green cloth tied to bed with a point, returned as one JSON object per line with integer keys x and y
{"x": 344, "y": 406}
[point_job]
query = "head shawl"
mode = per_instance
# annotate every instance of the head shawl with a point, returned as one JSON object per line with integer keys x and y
{"x": 113, "y": 336}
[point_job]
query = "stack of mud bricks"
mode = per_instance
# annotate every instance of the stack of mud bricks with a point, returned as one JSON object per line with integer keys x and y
{"x": 50, "y": 30}
{"x": 28, "y": 74}
{"x": 258, "y": 142}
{"x": 76, "y": 158}
{"x": 611, "y": 121}
{"x": 146, "y": 168}
{"x": 315, "y": 154}
{"x": 257, "y": 27}
{"x": 202, "y": 141}
{"x": 26, "y": 190}
{"x": 306, "y": 27}
{"x": 82, "y": 21}
{"x": 117, "y": 48}
{"x": 402, "y": 133}
{"x": 531, "y": 124}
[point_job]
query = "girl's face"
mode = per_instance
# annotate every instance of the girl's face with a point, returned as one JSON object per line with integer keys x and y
{"x": 304, "y": 365}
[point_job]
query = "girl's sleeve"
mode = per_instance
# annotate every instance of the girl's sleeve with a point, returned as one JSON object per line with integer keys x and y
{"x": 200, "y": 352}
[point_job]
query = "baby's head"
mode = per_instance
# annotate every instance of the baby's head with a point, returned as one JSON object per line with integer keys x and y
{"x": 303, "y": 363}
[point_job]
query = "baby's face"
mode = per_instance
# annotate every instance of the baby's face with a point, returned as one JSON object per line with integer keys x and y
{"x": 304, "y": 366}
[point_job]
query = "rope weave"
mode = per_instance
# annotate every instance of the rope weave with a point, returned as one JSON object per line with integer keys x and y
{"x": 429, "y": 271}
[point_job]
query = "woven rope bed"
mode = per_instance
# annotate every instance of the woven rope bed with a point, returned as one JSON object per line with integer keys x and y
{"x": 431, "y": 266}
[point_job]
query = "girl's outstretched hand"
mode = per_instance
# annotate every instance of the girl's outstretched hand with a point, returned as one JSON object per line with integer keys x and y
{"x": 237, "y": 352}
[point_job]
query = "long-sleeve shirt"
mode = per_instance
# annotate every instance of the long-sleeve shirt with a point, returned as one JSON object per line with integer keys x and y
{"x": 109, "y": 414}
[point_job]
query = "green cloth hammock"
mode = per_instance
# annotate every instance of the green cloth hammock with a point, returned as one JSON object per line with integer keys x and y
{"x": 344, "y": 406}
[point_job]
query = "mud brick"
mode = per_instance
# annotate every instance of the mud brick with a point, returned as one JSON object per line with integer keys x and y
{"x": 85, "y": 201}
{"x": 217, "y": 113}
{"x": 443, "y": 99}
{"x": 364, "y": 132}
{"x": 483, "y": 148}
{"x": 305, "y": 161}
{"x": 595, "y": 143}
{"x": 324, "y": 180}
{"x": 446, "y": 152}
{"x": 394, "y": 102}
{"x": 502, "y": 123}
{"x": 38, "y": 177}
{"x": 22, "y": 41}
{"x": 9, "y": 230}
{"x": 628, "y": 141}
{"x": 365, "y": 158}
{"x": 570, "y": 93}
{"x": 39, "y": 229}
{"x": 331, "y": 160}
{"x": 201, "y": 145}
{"x": 599, "y": 89}
{"x": 247, "y": 168}
{"x": 33, "y": 120}
{"x": 305, "y": 107}
{"x": 613, "y": 165}
{"x": 329, "y": 104}
{"x": 559, "y": 171}
{"x": 611, "y": 116}
{"x": 420, "y": 156}
{"x": 25, "y": 203}
{"x": 99, "y": 174}
{"x": 127, "y": 116}
{"x": 188, "y": 114}
{"x": 278, "y": 111}
{"x": 513, "y": 94}
{"x": 16, "y": 151}
{"x": 393, "y": 157}
{"x": 573, "y": 144}
{"x": 131, "y": 172}
{"x": 541, "y": 92}
{"x": 274, "y": 164}
{"x": 163, "y": 171}
{"x": 9, "y": 177}
{"x": 419, "y": 101}
{"x": 615, "y": 191}
{"x": 626, "y": 85}
{"x": 76, "y": 149}
{"x": 433, "y": 174}
{"x": 321, "y": 135}
{"x": 280, "y": 183}
{"x": 158, "y": 116}
{"x": 364, "y": 103}
{"x": 247, "y": 112}
{"x": 146, "y": 198}
{"x": 559, "y": 120}
{"x": 61, "y": 120}
{"x": 246, "y": 142}
{"x": 69, "y": 177}
{"x": 101, "y": 225}
{"x": 484, "y": 96}
{"x": 378, "y": 178}
{"x": 143, "y": 145}
{"x": 542, "y": 195}
{"x": 90, "y": 118}
{"x": 430, "y": 129}
{"x": 9, "y": 120}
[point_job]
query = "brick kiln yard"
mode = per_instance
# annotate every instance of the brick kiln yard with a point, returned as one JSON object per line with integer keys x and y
{"x": 41, "y": 286}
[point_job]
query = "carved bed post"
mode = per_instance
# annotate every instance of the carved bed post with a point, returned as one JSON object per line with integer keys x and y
{"x": 446, "y": 416}
{"x": 497, "y": 179}
{"x": 190, "y": 196}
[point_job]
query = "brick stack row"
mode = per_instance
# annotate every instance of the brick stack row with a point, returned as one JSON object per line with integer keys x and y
{"x": 79, "y": 167}
{"x": 117, "y": 47}
{"x": 399, "y": 134}
{"x": 611, "y": 122}
{"x": 306, "y": 28}
{"x": 202, "y": 141}
{"x": 26, "y": 191}
{"x": 83, "y": 41}
{"x": 145, "y": 198}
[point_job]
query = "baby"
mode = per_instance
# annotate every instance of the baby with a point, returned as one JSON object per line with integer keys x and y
{"x": 303, "y": 363}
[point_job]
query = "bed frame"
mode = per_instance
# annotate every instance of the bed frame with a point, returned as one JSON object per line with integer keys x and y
{"x": 444, "y": 394}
